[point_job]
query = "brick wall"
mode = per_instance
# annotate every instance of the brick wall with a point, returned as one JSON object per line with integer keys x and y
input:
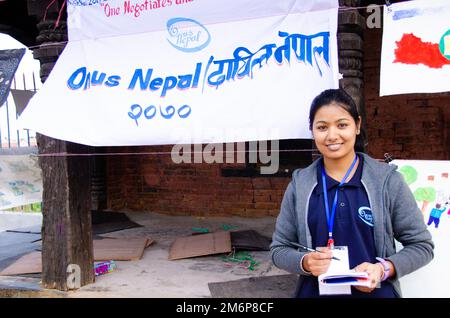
{"x": 155, "y": 183}
{"x": 409, "y": 126}
{"x": 414, "y": 126}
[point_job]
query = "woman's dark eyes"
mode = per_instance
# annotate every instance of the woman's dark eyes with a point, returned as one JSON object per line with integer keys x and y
{"x": 325, "y": 127}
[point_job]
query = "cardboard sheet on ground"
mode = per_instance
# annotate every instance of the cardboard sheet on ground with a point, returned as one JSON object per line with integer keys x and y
{"x": 278, "y": 286}
{"x": 123, "y": 249}
{"x": 106, "y": 222}
{"x": 249, "y": 240}
{"x": 27, "y": 264}
{"x": 200, "y": 245}
{"x": 102, "y": 237}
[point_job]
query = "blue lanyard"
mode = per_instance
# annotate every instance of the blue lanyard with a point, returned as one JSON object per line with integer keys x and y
{"x": 330, "y": 218}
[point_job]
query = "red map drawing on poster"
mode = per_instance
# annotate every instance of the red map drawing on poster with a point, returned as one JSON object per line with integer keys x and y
{"x": 412, "y": 50}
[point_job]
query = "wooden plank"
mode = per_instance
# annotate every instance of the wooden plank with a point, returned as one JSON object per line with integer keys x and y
{"x": 27, "y": 264}
{"x": 120, "y": 249}
{"x": 200, "y": 245}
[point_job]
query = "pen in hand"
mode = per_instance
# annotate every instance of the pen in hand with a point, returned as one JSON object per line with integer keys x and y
{"x": 310, "y": 249}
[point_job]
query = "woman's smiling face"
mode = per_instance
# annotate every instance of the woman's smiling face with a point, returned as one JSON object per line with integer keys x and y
{"x": 334, "y": 131}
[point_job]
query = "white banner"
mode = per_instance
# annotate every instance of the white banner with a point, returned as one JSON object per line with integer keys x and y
{"x": 416, "y": 48}
{"x": 140, "y": 72}
{"x": 430, "y": 184}
{"x": 20, "y": 181}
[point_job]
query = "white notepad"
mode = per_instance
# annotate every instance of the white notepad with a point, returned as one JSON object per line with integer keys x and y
{"x": 339, "y": 278}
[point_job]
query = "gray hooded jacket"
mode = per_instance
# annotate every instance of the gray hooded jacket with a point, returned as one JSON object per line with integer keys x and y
{"x": 395, "y": 215}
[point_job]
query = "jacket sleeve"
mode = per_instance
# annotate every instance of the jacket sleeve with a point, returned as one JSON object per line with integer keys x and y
{"x": 409, "y": 228}
{"x": 284, "y": 256}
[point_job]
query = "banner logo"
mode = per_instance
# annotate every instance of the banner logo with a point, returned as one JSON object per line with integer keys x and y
{"x": 187, "y": 35}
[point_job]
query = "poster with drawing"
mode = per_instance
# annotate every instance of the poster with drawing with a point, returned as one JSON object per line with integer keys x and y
{"x": 429, "y": 182}
{"x": 20, "y": 181}
{"x": 415, "y": 55}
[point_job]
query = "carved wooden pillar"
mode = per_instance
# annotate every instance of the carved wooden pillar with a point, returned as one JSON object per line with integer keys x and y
{"x": 67, "y": 248}
{"x": 350, "y": 43}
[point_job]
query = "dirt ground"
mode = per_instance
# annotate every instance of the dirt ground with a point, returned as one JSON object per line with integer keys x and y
{"x": 156, "y": 276}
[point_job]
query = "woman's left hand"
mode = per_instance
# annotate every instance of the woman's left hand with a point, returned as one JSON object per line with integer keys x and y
{"x": 375, "y": 272}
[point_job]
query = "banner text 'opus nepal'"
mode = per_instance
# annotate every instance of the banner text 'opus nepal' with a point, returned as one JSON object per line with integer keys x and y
{"x": 194, "y": 73}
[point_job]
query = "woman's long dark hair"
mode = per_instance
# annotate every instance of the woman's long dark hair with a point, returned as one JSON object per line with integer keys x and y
{"x": 344, "y": 100}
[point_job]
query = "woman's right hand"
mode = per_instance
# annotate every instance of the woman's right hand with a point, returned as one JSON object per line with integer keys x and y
{"x": 317, "y": 263}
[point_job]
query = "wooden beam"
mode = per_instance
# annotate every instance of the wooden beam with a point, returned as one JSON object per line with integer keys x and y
{"x": 67, "y": 227}
{"x": 67, "y": 248}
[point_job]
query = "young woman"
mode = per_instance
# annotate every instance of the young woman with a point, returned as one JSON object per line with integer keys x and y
{"x": 367, "y": 205}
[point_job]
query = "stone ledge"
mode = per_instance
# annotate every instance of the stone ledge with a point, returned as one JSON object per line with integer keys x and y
{"x": 26, "y": 287}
